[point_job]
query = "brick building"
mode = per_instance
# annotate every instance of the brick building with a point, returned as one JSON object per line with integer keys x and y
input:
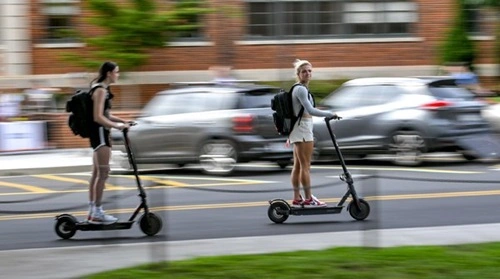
{"x": 259, "y": 39}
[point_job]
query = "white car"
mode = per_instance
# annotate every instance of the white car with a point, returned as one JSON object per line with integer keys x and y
{"x": 492, "y": 114}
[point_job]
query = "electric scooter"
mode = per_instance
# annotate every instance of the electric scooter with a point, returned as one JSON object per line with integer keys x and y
{"x": 359, "y": 209}
{"x": 149, "y": 223}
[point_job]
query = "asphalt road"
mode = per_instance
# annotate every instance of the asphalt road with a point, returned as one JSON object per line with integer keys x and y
{"x": 195, "y": 206}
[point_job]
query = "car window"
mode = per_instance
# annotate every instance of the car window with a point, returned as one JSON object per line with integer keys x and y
{"x": 344, "y": 97}
{"x": 253, "y": 100}
{"x": 361, "y": 96}
{"x": 167, "y": 104}
{"x": 451, "y": 92}
{"x": 382, "y": 94}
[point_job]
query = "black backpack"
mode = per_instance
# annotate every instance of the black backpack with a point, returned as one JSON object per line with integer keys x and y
{"x": 80, "y": 107}
{"x": 284, "y": 118}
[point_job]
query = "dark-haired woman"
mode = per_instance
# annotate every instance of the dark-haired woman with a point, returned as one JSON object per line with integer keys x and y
{"x": 100, "y": 139}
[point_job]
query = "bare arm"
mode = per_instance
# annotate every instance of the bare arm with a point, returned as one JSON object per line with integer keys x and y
{"x": 117, "y": 119}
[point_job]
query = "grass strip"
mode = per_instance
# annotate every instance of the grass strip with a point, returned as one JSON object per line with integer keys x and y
{"x": 433, "y": 262}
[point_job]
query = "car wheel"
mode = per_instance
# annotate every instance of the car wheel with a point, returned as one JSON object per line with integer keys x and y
{"x": 283, "y": 164}
{"x": 218, "y": 157}
{"x": 469, "y": 157}
{"x": 407, "y": 148}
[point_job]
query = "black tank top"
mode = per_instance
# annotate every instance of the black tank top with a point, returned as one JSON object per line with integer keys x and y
{"x": 107, "y": 103}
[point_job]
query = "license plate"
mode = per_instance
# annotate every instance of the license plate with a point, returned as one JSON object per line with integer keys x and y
{"x": 468, "y": 117}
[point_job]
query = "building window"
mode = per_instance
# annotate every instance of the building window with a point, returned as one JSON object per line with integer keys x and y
{"x": 474, "y": 19}
{"x": 60, "y": 20}
{"x": 330, "y": 19}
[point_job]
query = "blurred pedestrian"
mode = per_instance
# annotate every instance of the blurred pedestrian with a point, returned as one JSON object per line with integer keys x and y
{"x": 100, "y": 139}
{"x": 466, "y": 77}
{"x": 302, "y": 135}
{"x": 222, "y": 75}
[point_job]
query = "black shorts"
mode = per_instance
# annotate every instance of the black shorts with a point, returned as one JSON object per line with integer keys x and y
{"x": 99, "y": 136}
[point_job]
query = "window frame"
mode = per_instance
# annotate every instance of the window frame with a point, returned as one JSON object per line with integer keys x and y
{"x": 274, "y": 19}
{"x": 59, "y": 9}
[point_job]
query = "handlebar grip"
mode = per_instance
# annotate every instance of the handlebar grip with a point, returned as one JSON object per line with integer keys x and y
{"x": 329, "y": 118}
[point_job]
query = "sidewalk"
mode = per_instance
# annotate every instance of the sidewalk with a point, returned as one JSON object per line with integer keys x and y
{"x": 73, "y": 262}
{"x": 45, "y": 161}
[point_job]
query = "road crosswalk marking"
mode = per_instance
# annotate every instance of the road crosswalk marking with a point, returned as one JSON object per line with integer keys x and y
{"x": 73, "y": 180}
{"x": 29, "y": 188}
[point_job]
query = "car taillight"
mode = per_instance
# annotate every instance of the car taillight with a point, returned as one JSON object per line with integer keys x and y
{"x": 243, "y": 124}
{"x": 436, "y": 105}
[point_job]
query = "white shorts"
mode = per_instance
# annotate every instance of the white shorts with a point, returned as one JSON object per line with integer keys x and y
{"x": 303, "y": 131}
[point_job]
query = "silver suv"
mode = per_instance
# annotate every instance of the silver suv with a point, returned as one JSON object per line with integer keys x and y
{"x": 405, "y": 118}
{"x": 216, "y": 126}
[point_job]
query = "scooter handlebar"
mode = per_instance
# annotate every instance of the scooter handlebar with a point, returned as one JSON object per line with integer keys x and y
{"x": 330, "y": 118}
{"x": 130, "y": 123}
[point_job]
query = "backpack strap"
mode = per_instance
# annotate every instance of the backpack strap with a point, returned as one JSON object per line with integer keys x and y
{"x": 301, "y": 111}
{"x": 94, "y": 87}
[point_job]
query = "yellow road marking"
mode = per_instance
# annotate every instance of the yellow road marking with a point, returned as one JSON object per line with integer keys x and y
{"x": 380, "y": 168}
{"x": 170, "y": 182}
{"x": 29, "y": 188}
{"x": 76, "y": 181}
{"x": 401, "y": 169}
{"x": 259, "y": 203}
{"x": 165, "y": 183}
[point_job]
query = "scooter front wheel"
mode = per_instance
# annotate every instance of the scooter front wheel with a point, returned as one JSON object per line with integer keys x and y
{"x": 150, "y": 224}
{"x": 360, "y": 213}
{"x": 65, "y": 226}
{"x": 278, "y": 212}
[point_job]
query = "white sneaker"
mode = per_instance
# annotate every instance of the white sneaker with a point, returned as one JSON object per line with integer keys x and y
{"x": 100, "y": 217}
{"x": 314, "y": 202}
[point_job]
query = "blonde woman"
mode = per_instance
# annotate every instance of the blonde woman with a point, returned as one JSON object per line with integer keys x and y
{"x": 302, "y": 136}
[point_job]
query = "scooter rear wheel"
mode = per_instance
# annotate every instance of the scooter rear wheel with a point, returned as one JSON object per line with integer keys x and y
{"x": 65, "y": 226}
{"x": 360, "y": 213}
{"x": 278, "y": 212}
{"x": 150, "y": 224}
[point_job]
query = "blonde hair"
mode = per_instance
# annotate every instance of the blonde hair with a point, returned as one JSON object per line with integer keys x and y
{"x": 297, "y": 64}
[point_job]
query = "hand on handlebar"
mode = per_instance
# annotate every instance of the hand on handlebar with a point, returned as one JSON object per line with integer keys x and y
{"x": 333, "y": 117}
{"x": 123, "y": 126}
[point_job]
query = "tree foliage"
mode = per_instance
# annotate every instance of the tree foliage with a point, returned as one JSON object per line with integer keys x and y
{"x": 457, "y": 46}
{"x": 130, "y": 29}
{"x": 494, "y": 4}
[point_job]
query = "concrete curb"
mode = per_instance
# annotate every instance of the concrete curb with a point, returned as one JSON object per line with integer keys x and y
{"x": 71, "y": 262}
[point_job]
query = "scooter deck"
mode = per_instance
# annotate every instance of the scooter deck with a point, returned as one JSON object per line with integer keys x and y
{"x": 315, "y": 210}
{"x": 86, "y": 226}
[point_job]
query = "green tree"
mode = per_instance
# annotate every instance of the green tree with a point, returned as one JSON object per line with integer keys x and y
{"x": 132, "y": 29}
{"x": 495, "y": 5}
{"x": 457, "y": 46}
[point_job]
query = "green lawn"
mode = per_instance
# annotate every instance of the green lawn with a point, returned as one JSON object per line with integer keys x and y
{"x": 432, "y": 262}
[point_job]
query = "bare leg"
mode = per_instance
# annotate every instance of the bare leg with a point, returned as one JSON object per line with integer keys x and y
{"x": 304, "y": 151}
{"x": 102, "y": 155}
{"x": 295, "y": 178}
{"x": 93, "y": 178}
